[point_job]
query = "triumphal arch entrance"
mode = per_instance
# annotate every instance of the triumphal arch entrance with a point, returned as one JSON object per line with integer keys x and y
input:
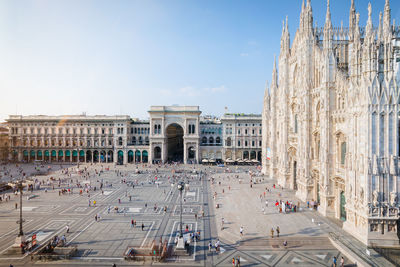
{"x": 174, "y": 134}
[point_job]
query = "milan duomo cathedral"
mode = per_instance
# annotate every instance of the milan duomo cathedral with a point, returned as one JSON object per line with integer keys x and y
{"x": 331, "y": 118}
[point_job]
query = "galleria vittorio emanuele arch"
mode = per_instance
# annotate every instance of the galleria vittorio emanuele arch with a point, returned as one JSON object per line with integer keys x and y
{"x": 331, "y": 121}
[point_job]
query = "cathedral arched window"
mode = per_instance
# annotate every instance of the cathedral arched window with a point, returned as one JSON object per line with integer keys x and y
{"x": 343, "y": 153}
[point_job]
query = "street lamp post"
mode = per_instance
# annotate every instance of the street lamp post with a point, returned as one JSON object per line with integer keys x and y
{"x": 181, "y": 243}
{"x": 181, "y": 186}
{"x": 20, "y": 238}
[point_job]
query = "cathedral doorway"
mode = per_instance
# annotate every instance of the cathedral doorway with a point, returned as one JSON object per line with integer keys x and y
{"x": 342, "y": 206}
{"x": 175, "y": 142}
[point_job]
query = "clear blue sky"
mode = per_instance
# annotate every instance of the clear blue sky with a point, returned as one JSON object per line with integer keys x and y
{"x": 120, "y": 57}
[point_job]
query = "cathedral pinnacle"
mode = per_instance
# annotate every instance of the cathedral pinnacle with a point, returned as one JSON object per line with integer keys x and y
{"x": 274, "y": 82}
{"x": 380, "y": 31}
{"x": 328, "y": 22}
{"x": 352, "y": 19}
{"x": 386, "y": 18}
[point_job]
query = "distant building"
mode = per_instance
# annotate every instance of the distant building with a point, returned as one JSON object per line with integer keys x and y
{"x": 242, "y": 137}
{"x": 173, "y": 133}
{"x": 4, "y": 145}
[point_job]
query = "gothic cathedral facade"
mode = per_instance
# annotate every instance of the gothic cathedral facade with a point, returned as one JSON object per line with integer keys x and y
{"x": 331, "y": 121}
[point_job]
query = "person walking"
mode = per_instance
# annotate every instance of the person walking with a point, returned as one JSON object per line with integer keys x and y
{"x": 209, "y": 246}
{"x": 277, "y": 231}
{"x": 132, "y": 223}
{"x": 238, "y": 261}
{"x": 142, "y": 226}
{"x": 241, "y": 231}
{"x": 341, "y": 262}
{"x": 334, "y": 261}
{"x": 272, "y": 232}
{"x": 67, "y": 228}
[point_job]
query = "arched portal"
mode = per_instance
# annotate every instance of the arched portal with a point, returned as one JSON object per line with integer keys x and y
{"x": 96, "y": 156}
{"x": 60, "y": 155}
{"x": 46, "y": 155}
{"x": 175, "y": 142}
{"x": 74, "y": 156}
{"x": 67, "y": 156}
{"x": 88, "y": 156}
{"x": 102, "y": 156}
{"x": 120, "y": 157}
{"x": 145, "y": 156}
{"x": 25, "y": 155}
{"x": 157, "y": 153}
{"x": 81, "y": 156}
{"x": 53, "y": 155}
{"x": 110, "y": 156}
{"x": 130, "y": 156}
{"x": 137, "y": 156}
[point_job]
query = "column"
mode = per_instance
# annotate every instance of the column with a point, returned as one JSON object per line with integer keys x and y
{"x": 63, "y": 155}
{"x": 92, "y": 155}
{"x": 85, "y": 157}
{"x": 185, "y": 152}
{"x": 163, "y": 152}
{"x": 141, "y": 156}
{"x": 125, "y": 157}
{"x": 197, "y": 153}
{"x": 106, "y": 156}
{"x": 115, "y": 156}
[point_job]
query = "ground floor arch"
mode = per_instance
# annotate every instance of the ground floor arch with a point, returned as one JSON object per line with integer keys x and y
{"x": 88, "y": 156}
{"x": 95, "y": 156}
{"x": 103, "y": 156}
{"x": 81, "y": 156}
{"x": 157, "y": 153}
{"x": 138, "y": 155}
{"x": 110, "y": 156}
{"x": 46, "y": 155}
{"x": 130, "y": 156}
{"x": 120, "y": 158}
{"x": 53, "y": 155}
{"x": 175, "y": 147}
{"x": 145, "y": 156}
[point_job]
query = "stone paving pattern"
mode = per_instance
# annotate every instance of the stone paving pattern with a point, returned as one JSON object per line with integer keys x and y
{"x": 103, "y": 242}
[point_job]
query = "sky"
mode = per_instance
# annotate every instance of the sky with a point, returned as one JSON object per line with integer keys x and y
{"x": 120, "y": 57}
